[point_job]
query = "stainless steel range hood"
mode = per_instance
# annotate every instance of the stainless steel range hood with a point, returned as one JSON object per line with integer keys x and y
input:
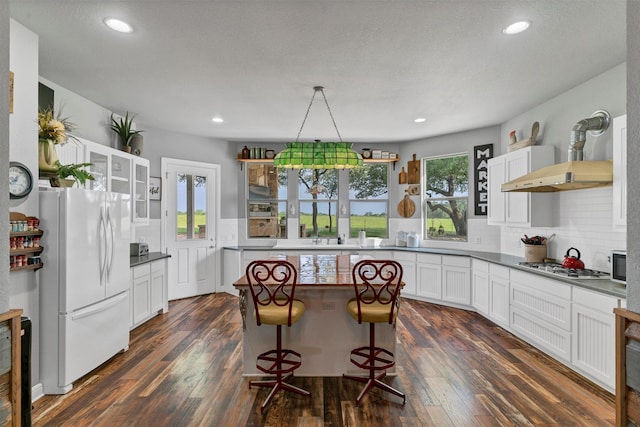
{"x": 576, "y": 173}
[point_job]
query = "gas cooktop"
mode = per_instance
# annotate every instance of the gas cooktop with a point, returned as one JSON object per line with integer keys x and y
{"x": 557, "y": 269}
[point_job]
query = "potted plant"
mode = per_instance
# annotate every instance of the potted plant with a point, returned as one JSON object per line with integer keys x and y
{"x": 122, "y": 128}
{"x": 74, "y": 170}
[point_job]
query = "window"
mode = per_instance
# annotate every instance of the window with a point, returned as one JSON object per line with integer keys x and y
{"x": 445, "y": 191}
{"x": 191, "y": 207}
{"x": 369, "y": 200}
{"x": 267, "y": 201}
{"x": 318, "y": 195}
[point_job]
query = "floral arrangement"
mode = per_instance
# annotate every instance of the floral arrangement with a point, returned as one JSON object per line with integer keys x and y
{"x": 54, "y": 127}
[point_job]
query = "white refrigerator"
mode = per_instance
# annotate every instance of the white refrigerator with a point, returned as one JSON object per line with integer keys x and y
{"x": 84, "y": 284}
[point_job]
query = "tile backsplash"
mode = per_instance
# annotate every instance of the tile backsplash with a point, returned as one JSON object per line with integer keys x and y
{"x": 584, "y": 221}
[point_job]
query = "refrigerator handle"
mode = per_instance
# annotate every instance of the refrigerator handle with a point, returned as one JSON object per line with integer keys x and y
{"x": 111, "y": 238}
{"x": 101, "y": 243}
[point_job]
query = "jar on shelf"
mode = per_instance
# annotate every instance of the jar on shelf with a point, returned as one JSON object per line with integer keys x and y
{"x": 246, "y": 153}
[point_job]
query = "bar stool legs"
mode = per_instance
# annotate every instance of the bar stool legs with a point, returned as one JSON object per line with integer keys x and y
{"x": 281, "y": 363}
{"x": 373, "y": 359}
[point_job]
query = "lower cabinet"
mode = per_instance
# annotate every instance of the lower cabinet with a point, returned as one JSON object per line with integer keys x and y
{"x": 592, "y": 350}
{"x": 541, "y": 313}
{"x": 456, "y": 279}
{"x": 408, "y": 262}
{"x": 429, "y": 276}
{"x": 499, "y": 294}
{"x": 148, "y": 291}
{"x": 480, "y": 286}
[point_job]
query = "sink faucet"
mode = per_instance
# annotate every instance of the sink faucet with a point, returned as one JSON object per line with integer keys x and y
{"x": 316, "y": 239}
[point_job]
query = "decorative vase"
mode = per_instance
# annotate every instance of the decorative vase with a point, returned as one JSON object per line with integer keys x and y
{"x": 47, "y": 155}
{"x": 136, "y": 144}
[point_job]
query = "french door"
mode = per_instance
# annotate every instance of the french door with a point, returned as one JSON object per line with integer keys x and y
{"x": 190, "y": 206}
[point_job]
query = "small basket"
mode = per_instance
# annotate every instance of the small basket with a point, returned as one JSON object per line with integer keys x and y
{"x": 535, "y": 253}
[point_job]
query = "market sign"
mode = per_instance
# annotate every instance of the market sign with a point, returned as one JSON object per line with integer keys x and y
{"x": 481, "y": 154}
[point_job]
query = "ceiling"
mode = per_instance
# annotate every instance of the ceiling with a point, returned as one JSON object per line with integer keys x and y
{"x": 382, "y": 63}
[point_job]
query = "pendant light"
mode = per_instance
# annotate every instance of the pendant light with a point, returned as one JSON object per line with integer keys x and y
{"x": 318, "y": 155}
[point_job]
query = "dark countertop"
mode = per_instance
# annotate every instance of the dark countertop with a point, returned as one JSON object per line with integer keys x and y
{"x": 603, "y": 286}
{"x": 153, "y": 256}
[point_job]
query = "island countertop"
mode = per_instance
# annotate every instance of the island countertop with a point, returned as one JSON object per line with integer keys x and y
{"x": 318, "y": 270}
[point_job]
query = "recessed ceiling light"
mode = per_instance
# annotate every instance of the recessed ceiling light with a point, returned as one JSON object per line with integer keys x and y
{"x": 118, "y": 25}
{"x": 516, "y": 27}
{"x": 217, "y": 120}
{"x": 420, "y": 120}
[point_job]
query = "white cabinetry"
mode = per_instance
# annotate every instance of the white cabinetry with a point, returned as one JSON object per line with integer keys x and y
{"x": 114, "y": 171}
{"x": 516, "y": 208}
{"x": 480, "y": 286}
{"x": 148, "y": 291}
{"x": 443, "y": 277}
{"x": 499, "y": 294}
{"x": 541, "y": 312}
{"x": 593, "y": 345}
{"x": 140, "y": 191}
{"x": 620, "y": 172}
{"x": 408, "y": 262}
{"x": 429, "y": 276}
{"x": 456, "y": 279}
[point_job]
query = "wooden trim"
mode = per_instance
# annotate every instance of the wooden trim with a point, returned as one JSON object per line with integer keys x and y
{"x": 13, "y": 317}
{"x": 623, "y": 318}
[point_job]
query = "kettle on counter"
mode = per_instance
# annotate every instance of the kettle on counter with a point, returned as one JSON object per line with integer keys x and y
{"x": 572, "y": 261}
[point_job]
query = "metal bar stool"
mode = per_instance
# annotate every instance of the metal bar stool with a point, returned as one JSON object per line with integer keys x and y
{"x": 272, "y": 284}
{"x": 377, "y": 286}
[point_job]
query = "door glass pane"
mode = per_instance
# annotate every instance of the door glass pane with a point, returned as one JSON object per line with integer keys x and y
{"x": 191, "y": 199}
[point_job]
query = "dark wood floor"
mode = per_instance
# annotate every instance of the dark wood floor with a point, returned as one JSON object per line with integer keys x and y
{"x": 183, "y": 369}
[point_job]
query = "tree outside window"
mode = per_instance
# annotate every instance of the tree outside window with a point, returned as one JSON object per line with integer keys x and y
{"x": 446, "y": 189}
{"x": 318, "y": 194}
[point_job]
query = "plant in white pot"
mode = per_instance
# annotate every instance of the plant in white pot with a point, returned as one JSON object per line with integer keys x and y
{"x": 122, "y": 127}
{"x": 75, "y": 171}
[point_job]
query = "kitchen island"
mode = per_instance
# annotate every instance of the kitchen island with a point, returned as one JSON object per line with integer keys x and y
{"x": 326, "y": 333}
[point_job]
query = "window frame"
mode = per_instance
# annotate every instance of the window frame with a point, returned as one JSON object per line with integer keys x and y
{"x": 426, "y": 234}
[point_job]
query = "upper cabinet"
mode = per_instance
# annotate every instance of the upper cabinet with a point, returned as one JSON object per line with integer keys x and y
{"x": 515, "y": 208}
{"x": 620, "y": 173}
{"x": 114, "y": 171}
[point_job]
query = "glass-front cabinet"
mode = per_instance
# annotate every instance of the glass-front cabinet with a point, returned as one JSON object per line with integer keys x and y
{"x": 122, "y": 173}
{"x": 267, "y": 200}
{"x": 140, "y": 195}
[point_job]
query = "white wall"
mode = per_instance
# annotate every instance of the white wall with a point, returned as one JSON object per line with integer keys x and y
{"x": 584, "y": 217}
{"x": 633, "y": 153}
{"x": 23, "y": 286}
{"x": 4, "y": 154}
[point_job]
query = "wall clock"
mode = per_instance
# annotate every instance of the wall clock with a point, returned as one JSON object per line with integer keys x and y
{"x": 20, "y": 180}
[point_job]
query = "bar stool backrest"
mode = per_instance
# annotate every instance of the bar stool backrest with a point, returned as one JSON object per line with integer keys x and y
{"x": 377, "y": 282}
{"x": 272, "y": 282}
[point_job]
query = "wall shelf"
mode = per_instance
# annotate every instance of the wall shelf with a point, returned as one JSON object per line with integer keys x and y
{"x": 34, "y": 250}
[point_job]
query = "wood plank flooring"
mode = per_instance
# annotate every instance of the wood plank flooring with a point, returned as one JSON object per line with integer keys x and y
{"x": 183, "y": 368}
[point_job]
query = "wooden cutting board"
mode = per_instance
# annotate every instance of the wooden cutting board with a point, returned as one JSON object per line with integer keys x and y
{"x": 406, "y": 207}
{"x": 413, "y": 172}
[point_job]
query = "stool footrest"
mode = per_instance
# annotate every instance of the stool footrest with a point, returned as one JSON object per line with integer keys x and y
{"x": 272, "y": 363}
{"x": 377, "y": 358}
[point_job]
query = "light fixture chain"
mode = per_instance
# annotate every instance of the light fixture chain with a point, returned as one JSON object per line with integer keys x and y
{"x": 331, "y": 115}
{"x": 315, "y": 90}
{"x": 306, "y": 115}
